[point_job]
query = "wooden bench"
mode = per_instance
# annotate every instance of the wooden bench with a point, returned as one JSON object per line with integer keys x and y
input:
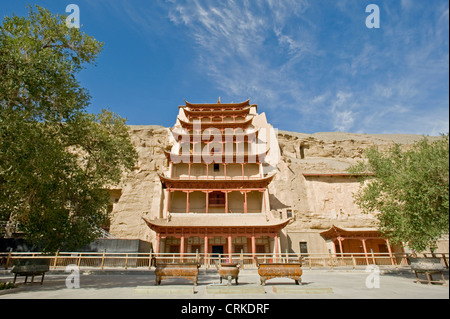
{"x": 187, "y": 271}
{"x": 429, "y": 267}
{"x": 30, "y": 267}
{"x": 268, "y": 271}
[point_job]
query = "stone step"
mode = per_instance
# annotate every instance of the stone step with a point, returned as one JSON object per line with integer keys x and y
{"x": 239, "y": 289}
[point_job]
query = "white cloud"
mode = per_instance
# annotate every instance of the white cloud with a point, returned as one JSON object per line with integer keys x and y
{"x": 319, "y": 99}
{"x": 341, "y": 111}
{"x": 344, "y": 121}
{"x": 318, "y": 66}
{"x": 231, "y": 38}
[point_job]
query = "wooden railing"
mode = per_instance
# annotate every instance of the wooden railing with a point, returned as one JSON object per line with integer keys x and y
{"x": 184, "y": 177}
{"x": 102, "y": 261}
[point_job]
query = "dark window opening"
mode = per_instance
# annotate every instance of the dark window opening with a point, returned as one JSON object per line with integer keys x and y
{"x": 174, "y": 249}
{"x": 302, "y": 152}
{"x": 217, "y": 199}
{"x": 304, "y": 248}
{"x": 260, "y": 249}
{"x": 382, "y": 248}
{"x": 289, "y": 213}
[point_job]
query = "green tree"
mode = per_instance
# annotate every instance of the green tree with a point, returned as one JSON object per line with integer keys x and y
{"x": 56, "y": 160}
{"x": 408, "y": 192}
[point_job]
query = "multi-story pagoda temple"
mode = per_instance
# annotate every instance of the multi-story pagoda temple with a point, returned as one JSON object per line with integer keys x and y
{"x": 215, "y": 191}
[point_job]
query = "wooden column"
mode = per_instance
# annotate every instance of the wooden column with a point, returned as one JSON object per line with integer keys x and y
{"x": 207, "y": 202}
{"x": 225, "y": 169}
{"x": 275, "y": 247}
{"x": 245, "y": 203}
{"x": 243, "y": 176}
{"x": 230, "y": 248}
{"x": 187, "y": 202}
{"x": 253, "y": 246}
{"x": 206, "y": 245}
{"x": 340, "y": 239}
{"x": 226, "y": 202}
{"x": 365, "y": 250}
{"x": 390, "y": 252}
{"x": 182, "y": 246}
{"x": 158, "y": 243}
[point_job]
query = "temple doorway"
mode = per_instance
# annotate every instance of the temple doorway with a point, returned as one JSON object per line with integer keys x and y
{"x": 217, "y": 250}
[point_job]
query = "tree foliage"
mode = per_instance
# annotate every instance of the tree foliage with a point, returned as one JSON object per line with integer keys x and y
{"x": 409, "y": 192}
{"x": 55, "y": 158}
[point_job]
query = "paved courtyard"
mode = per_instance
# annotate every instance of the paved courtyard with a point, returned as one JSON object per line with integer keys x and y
{"x": 317, "y": 284}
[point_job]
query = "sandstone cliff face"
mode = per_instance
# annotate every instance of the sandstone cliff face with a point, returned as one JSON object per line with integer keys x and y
{"x": 319, "y": 202}
{"x": 316, "y": 202}
{"x": 141, "y": 189}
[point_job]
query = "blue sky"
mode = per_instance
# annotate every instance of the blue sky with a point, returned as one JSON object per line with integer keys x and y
{"x": 310, "y": 65}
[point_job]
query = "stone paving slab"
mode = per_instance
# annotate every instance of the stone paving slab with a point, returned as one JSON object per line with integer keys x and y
{"x": 164, "y": 290}
{"x": 301, "y": 290}
{"x": 235, "y": 290}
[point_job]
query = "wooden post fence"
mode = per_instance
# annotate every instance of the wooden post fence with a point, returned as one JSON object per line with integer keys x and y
{"x": 126, "y": 260}
{"x": 103, "y": 260}
{"x": 56, "y": 259}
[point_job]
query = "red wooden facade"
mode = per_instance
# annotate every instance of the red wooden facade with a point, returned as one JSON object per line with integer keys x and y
{"x": 249, "y": 230}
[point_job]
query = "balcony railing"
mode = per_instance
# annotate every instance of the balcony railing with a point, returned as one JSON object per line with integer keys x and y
{"x": 217, "y": 202}
{"x": 218, "y": 177}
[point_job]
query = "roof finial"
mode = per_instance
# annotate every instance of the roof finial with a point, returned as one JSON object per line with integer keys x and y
{"x": 218, "y": 101}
